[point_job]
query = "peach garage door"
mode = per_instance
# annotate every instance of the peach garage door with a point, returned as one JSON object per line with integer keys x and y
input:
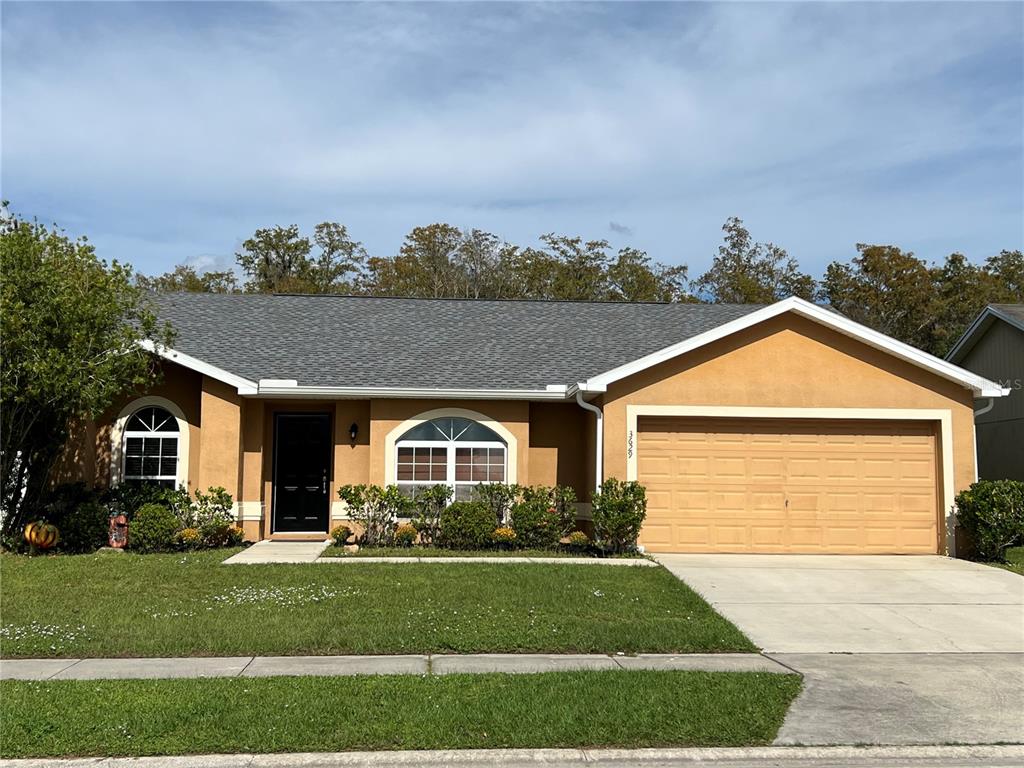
{"x": 773, "y": 485}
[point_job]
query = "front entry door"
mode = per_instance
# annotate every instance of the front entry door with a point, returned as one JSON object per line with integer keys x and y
{"x": 302, "y": 468}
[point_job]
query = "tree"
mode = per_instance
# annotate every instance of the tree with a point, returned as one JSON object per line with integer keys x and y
{"x": 632, "y": 277}
{"x": 277, "y": 260}
{"x": 184, "y": 277}
{"x": 746, "y": 272}
{"x": 884, "y": 288}
{"x": 71, "y": 326}
{"x": 929, "y": 307}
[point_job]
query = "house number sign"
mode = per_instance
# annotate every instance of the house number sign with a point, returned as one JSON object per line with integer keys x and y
{"x": 629, "y": 445}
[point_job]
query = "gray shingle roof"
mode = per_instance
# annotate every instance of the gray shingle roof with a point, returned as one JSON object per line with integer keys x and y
{"x": 1015, "y": 311}
{"x": 346, "y": 341}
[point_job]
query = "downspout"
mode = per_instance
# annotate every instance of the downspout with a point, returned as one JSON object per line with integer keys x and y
{"x": 599, "y": 437}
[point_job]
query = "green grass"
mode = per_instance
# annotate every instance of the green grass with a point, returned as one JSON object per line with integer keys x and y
{"x": 334, "y": 551}
{"x": 555, "y": 709}
{"x": 1014, "y": 561}
{"x": 180, "y": 605}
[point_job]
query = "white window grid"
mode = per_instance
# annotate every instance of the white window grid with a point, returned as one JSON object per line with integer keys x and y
{"x": 449, "y": 446}
{"x": 150, "y": 435}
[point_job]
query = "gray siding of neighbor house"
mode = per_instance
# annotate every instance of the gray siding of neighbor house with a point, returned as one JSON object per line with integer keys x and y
{"x": 999, "y": 355}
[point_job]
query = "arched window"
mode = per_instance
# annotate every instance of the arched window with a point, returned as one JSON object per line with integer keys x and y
{"x": 451, "y": 451}
{"x": 150, "y": 447}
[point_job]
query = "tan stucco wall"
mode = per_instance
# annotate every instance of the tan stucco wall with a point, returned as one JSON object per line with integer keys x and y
{"x": 558, "y": 445}
{"x": 179, "y": 385}
{"x": 385, "y": 415}
{"x": 220, "y": 459}
{"x": 790, "y": 362}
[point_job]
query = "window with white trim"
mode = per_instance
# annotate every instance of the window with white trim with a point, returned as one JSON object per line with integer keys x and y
{"x": 451, "y": 451}
{"x": 150, "y": 447}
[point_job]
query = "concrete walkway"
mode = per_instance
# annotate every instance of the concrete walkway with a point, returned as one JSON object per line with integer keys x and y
{"x": 412, "y": 664}
{"x": 722, "y": 757}
{"x": 279, "y": 552}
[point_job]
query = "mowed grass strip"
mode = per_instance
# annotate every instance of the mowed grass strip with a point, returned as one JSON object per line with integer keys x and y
{"x": 181, "y": 605}
{"x": 555, "y": 709}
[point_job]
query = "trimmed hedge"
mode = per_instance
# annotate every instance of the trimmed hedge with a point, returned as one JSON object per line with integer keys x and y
{"x": 992, "y": 514}
{"x": 466, "y": 525}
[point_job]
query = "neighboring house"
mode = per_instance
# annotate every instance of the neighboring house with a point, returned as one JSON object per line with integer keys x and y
{"x": 994, "y": 347}
{"x": 781, "y": 428}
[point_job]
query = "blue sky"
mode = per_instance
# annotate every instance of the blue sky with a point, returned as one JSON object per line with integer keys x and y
{"x": 168, "y": 133}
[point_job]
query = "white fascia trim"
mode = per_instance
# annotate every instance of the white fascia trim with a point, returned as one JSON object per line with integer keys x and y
{"x": 981, "y": 386}
{"x": 244, "y": 386}
{"x": 944, "y": 417}
{"x": 553, "y": 392}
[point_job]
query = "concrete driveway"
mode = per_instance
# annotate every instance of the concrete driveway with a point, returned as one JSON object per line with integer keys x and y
{"x": 861, "y": 604}
{"x": 893, "y": 650}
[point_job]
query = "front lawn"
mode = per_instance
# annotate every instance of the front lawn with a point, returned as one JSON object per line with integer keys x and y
{"x": 555, "y": 709}
{"x": 1014, "y": 560}
{"x": 190, "y": 604}
{"x": 335, "y": 551}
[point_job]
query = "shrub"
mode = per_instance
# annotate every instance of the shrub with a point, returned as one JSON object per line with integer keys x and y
{"x": 129, "y": 497}
{"x": 535, "y": 522}
{"x": 561, "y": 498}
{"x": 376, "y": 509}
{"x": 578, "y": 541}
{"x": 992, "y": 513}
{"x": 618, "y": 510}
{"x": 211, "y": 509}
{"x": 405, "y": 535}
{"x": 190, "y": 538}
{"x": 466, "y": 525}
{"x": 504, "y": 537}
{"x": 86, "y": 528}
{"x": 498, "y": 498}
{"x": 236, "y": 536}
{"x": 215, "y": 534}
{"x": 430, "y": 503}
{"x": 340, "y": 534}
{"x": 154, "y": 529}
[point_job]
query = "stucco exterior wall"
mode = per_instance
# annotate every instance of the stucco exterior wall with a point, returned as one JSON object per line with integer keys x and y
{"x": 790, "y": 362}
{"x": 558, "y": 445}
{"x": 220, "y": 458}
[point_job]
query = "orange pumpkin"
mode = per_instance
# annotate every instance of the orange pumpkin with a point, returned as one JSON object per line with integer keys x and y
{"x": 41, "y": 535}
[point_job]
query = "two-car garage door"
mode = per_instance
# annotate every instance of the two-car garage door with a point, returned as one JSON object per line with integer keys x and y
{"x": 764, "y": 485}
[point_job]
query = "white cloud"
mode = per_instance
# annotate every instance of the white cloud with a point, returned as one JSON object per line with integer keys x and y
{"x": 171, "y": 131}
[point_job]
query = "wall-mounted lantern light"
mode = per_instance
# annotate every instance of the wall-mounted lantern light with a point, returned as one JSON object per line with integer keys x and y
{"x": 353, "y": 431}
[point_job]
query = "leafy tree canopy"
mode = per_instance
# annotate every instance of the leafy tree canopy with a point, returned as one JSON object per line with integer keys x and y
{"x": 71, "y": 326}
{"x": 747, "y": 272}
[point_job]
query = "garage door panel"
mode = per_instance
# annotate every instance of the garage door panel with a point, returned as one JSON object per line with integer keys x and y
{"x": 725, "y": 485}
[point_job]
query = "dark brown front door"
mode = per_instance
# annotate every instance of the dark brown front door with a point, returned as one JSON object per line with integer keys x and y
{"x": 302, "y": 468}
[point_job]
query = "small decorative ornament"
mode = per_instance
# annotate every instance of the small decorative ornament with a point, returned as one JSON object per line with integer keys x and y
{"x": 41, "y": 534}
{"x": 118, "y": 534}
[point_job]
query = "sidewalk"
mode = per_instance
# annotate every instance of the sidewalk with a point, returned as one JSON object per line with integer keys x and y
{"x": 733, "y": 757}
{"x": 413, "y": 664}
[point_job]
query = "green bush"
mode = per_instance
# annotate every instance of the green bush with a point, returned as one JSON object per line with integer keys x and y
{"x": 130, "y": 496}
{"x": 430, "y": 503}
{"x": 340, "y": 534}
{"x": 466, "y": 525}
{"x": 154, "y": 529}
{"x": 405, "y": 535}
{"x": 79, "y": 514}
{"x": 618, "y": 511}
{"x": 992, "y": 514}
{"x": 210, "y": 510}
{"x": 499, "y": 498}
{"x": 85, "y": 529}
{"x": 535, "y": 521}
{"x": 377, "y": 510}
{"x": 578, "y": 541}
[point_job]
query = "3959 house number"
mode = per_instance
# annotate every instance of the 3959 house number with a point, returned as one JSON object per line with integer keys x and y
{"x": 629, "y": 445}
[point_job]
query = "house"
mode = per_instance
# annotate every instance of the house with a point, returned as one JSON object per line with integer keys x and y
{"x": 781, "y": 428}
{"x": 993, "y": 346}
